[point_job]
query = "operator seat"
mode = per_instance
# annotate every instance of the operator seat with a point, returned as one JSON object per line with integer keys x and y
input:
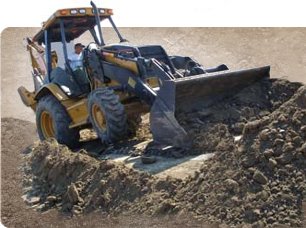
{"x": 73, "y": 85}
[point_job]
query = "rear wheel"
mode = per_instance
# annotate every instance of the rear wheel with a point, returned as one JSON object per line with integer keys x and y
{"x": 53, "y": 121}
{"x": 107, "y": 115}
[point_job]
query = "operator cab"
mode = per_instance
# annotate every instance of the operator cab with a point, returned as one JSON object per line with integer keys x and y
{"x": 63, "y": 27}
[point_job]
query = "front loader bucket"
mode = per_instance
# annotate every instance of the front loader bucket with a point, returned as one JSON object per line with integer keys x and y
{"x": 188, "y": 94}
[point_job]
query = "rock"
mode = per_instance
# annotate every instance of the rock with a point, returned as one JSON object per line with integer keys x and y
{"x": 235, "y": 201}
{"x": 232, "y": 185}
{"x": 73, "y": 194}
{"x": 272, "y": 163}
{"x": 264, "y": 113}
{"x": 293, "y": 214}
{"x": 42, "y": 207}
{"x": 102, "y": 183}
{"x": 264, "y": 195}
{"x": 258, "y": 224}
{"x": 249, "y": 161}
{"x": 106, "y": 165}
{"x": 165, "y": 207}
{"x": 285, "y": 158}
{"x": 51, "y": 199}
{"x": 251, "y": 127}
{"x": 303, "y": 129}
{"x": 252, "y": 170}
{"x": 288, "y": 147}
{"x": 268, "y": 153}
{"x": 251, "y": 215}
{"x": 271, "y": 220}
{"x": 81, "y": 202}
{"x": 278, "y": 142}
{"x": 297, "y": 141}
{"x": 299, "y": 156}
{"x": 148, "y": 159}
{"x": 264, "y": 135}
{"x": 238, "y": 127}
{"x": 32, "y": 200}
{"x": 76, "y": 210}
{"x": 303, "y": 149}
{"x": 260, "y": 177}
{"x": 286, "y": 197}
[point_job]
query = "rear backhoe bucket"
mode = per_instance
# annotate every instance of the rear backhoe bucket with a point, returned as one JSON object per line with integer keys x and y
{"x": 191, "y": 93}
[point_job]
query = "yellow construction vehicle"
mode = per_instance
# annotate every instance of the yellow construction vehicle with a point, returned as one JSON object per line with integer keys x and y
{"x": 114, "y": 83}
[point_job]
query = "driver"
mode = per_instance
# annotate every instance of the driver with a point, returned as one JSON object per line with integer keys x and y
{"x": 76, "y": 58}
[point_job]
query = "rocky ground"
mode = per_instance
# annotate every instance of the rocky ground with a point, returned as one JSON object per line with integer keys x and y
{"x": 255, "y": 178}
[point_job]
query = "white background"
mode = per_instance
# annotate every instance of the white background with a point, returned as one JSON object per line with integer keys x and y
{"x": 166, "y": 13}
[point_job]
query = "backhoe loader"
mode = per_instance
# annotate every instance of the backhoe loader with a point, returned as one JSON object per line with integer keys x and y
{"x": 117, "y": 82}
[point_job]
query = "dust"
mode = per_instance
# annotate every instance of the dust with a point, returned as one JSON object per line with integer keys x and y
{"x": 256, "y": 179}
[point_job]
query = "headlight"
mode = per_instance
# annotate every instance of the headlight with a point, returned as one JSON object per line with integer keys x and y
{"x": 73, "y": 11}
{"x": 82, "y": 11}
{"x": 102, "y": 11}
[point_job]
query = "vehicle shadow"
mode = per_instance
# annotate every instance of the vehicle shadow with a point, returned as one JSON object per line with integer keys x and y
{"x": 132, "y": 152}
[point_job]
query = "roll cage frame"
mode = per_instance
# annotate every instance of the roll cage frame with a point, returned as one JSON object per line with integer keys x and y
{"x": 63, "y": 22}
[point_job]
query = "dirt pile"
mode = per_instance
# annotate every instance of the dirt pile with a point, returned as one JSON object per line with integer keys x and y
{"x": 207, "y": 125}
{"x": 258, "y": 179}
{"x": 76, "y": 182}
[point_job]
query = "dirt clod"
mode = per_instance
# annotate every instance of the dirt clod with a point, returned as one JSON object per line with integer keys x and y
{"x": 260, "y": 177}
{"x": 73, "y": 194}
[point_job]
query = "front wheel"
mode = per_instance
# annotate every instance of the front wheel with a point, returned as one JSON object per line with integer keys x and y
{"x": 107, "y": 115}
{"x": 53, "y": 121}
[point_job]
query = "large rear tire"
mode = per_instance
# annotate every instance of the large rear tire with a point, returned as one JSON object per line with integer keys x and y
{"x": 53, "y": 121}
{"x": 107, "y": 115}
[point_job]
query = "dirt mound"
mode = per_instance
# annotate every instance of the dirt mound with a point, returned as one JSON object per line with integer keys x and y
{"x": 76, "y": 182}
{"x": 262, "y": 179}
{"x": 257, "y": 178}
{"x": 259, "y": 181}
{"x": 212, "y": 127}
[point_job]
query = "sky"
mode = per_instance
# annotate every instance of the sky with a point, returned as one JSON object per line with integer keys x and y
{"x": 163, "y": 13}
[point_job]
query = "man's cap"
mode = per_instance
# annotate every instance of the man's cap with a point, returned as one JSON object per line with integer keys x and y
{"x": 78, "y": 45}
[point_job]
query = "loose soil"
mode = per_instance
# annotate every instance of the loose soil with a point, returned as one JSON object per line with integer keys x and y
{"x": 255, "y": 178}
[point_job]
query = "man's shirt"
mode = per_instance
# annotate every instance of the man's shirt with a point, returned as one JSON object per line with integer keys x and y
{"x": 76, "y": 61}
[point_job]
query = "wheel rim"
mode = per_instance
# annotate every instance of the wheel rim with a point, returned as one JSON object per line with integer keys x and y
{"x": 98, "y": 117}
{"x": 46, "y": 123}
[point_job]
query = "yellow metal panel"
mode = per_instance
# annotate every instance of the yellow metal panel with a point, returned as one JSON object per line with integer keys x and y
{"x": 88, "y": 12}
{"x": 27, "y": 97}
{"x": 124, "y": 63}
{"x": 55, "y": 90}
{"x": 152, "y": 82}
{"x": 76, "y": 108}
{"x": 77, "y": 111}
{"x": 60, "y": 13}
